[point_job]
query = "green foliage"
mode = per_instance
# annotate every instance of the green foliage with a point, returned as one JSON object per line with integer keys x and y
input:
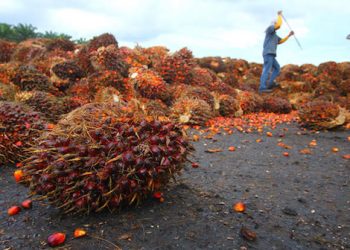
{"x": 53, "y": 35}
{"x": 20, "y": 32}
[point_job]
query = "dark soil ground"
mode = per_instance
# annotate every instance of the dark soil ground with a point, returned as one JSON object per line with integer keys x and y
{"x": 296, "y": 202}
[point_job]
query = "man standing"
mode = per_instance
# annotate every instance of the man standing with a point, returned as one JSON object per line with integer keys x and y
{"x": 269, "y": 54}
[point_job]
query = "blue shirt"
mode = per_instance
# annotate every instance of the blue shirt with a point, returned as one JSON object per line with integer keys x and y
{"x": 271, "y": 41}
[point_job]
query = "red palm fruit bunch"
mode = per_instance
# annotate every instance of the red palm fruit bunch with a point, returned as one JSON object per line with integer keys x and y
{"x": 228, "y": 106}
{"x": 19, "y": 127}
{"x": 8, "y": 92}
{"x": 202, "y": 77}
{"x": 134, "y": 57}
{"x": 289, "y": 72}
{"x": 148, "y": 83}
{"x": 29, "y": 50}
{"x": 47, "y": 104}
{"x": 221, "y": 87}
{"x": 82, "y": 58}
{"x": 7, "y": 71}
{"x": 109, "y": 58}
{"x": 154, "y": 54}
{"x": 215, "y": 64}
{"x": 321, "y": 115}
{"x": 101, "y": 156}
{"x": 177, "y": 90}
{"x": 29, "y": 78}
{"x": 236, "y": 69}
{"x": 82, "y": 92}
{"x": 278, "y": 105}
{"x": 60, "y": 44}
{"x": 191, "y": 111}
{"x": 255, "y": 70}
{"x": 6, "y": 50}
{"x": 249, "y": 102}
{"x": 176, "y": 68}
{"x": 111, "y": 78}
{"x": 344, "y": 87}
{"x": 107, "y": 94}
{"x": 344, "y": 68}
{"x": 199, "y": 93}
{"x": 103, "y": 40}
{"x": 326, "y": 89}
{"x": 156, "y": 108}
{"x": 64, "y": 74}
{"x": 329, "y": 72}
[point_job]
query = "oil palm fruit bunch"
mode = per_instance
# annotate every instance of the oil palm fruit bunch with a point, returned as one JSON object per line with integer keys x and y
{"x": 156, "y": 108}
{"x": 229, "y": 106}
{"x": 109, "y": 58}
{"x": 64, "y": 74}
{"x": 27, "y": 77}
{"x": 321, "y": 114}
{"x": 329, "y": 72}
{"x": 7, "y": 71}
{"x": 191, "y": 111}
{"x": 6, "y": 50}
{"x": 202, "y": 76}
{"x": 29, "y": 50}
{"x": 19, "y": 127}
{"x": 47, "y": 104}
{"x": 103, "y": 40}
{"x": 112, "y": 78}
{"x": 176, "y": 68}
{"x": 60, "y": 44}
{"x": 107, "y": 94}
{"x": 8, "y": 92}
{"x": 101, "y": 156}
{"x": 249, "y": 101}
{"x": 277, "y": 105}
{"x": 200, "y": 93}
{"x": 148, "y": 83}
{"x": 216, "y": 64}
{"x": 290, "y": 72}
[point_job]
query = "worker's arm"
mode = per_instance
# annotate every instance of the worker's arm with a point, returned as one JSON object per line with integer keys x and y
{"x": 286, "y": 38}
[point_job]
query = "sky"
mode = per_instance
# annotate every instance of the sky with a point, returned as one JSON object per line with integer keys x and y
{"x": 226, "y": 28}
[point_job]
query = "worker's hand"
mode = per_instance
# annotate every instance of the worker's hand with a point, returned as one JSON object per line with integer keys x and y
{"x": 291, "y": 33}
{"x": 279, "y": 12}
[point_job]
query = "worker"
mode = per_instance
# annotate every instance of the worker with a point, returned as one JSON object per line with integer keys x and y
{"x": 271, "y": 66}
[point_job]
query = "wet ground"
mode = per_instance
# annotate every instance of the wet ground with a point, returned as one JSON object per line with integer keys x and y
{"x": 300, "y": 201}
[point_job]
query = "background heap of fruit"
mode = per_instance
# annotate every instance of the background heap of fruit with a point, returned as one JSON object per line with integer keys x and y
{"x": 97, "y": 125}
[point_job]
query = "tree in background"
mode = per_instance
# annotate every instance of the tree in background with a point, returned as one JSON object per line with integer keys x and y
{"x": 21, "y": 32}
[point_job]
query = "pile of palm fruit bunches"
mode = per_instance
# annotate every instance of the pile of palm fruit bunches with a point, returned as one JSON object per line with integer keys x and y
{"x": 98, "y": 126}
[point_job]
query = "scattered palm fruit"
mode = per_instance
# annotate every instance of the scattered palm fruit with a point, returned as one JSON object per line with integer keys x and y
{"x": 195, "y": 165}
{"x": 231, "y": 148}
{"x": 78, "y": 233}
{"x": 239, "y": 207}
{"x": 18, "y": 175}
{"x": 13, "y": 210}
{"x": 56, "y": 239}
{"x": 248, "y": 234}
{"x": 27, "y": 204}
{"x": 285, "y": 154}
